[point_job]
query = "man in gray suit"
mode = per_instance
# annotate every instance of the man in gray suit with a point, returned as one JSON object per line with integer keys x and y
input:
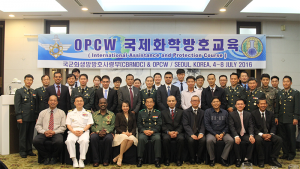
{"x": 130, "y": 94}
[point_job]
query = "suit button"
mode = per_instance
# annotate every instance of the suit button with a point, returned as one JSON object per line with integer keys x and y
{"x": 249, "y": 101}
{"x": 149, "y": 123}
{"x": 284, "y": 112}
{"x": 149, "y": 127}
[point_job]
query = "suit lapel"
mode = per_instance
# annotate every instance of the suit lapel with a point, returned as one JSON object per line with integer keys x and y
{"x": 165, "y": 90}
{"x": 237, "y": 116}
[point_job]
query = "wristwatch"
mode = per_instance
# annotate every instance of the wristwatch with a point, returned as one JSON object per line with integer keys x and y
{"x": 83, "y": 131}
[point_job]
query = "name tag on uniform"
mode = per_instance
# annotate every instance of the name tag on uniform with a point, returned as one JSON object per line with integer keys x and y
{"x": 155, "y": 117}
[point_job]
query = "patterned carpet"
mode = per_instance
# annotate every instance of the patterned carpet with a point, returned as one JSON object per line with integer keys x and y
{"x": 14, "y": 161}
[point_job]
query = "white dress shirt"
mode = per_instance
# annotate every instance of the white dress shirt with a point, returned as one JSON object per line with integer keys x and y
{"x": 186, "y": 96}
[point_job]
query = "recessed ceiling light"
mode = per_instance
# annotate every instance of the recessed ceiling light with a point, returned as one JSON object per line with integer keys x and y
{"x": 31, "y": 6}
{"x": 154, "y": 5}
{"x": 84, "y": 9}
{"x": 222, "y": 9}
{"x": 273, "y": 6}
{"x": 11, "y": 15}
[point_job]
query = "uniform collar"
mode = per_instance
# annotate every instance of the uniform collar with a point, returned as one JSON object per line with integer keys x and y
{"x": 75, "y": 110}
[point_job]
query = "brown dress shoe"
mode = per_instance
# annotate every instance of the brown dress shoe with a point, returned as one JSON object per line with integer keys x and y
{"x": 105, "y": 164}
{"x": 95, "y": 164}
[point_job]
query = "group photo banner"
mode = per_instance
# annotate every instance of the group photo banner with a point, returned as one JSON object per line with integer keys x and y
{"x": 162, "y": 51}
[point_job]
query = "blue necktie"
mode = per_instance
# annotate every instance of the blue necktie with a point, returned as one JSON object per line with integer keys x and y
{"x": 105, "y": 94}
{"x": 168, "y": 90}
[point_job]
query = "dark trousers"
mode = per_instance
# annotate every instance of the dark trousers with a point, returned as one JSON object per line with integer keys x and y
{"x": 237, "y": 147}
{"x": 26, "y": 130}
{"x": 143, "y": 139}
{"x": 287, "y": 132}
{"x": 57, "y": 145}
{"x": 192, "y": 144}
{"x": 179, "y": 144}
{"x": 107, "y": 147}
{"x": 277, "y": 144}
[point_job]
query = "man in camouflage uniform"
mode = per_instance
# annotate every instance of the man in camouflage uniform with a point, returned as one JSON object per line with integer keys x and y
{"x": 253, "y": 95}
{"x": 40, "y": 92}
{"x": 270, "y": 92}
{"x": 148, "y": 92}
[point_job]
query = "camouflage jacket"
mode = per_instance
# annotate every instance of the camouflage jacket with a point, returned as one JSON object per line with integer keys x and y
{"x": 271, "y": 96}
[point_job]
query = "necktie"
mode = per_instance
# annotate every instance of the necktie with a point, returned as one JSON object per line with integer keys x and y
{"x": 105, "y": 94}
{"x": 172, "y": 114}
{"x": 181, "y": 86}
{"x": 149, "y": 93}
{"x": 131, "y": 99}
{"x": 149, "y": 112}
{"x": 75, "y": 84}
{"x": 72, "y": 87}
{"x": 242, "y": 121}
{"x": 168, "y": 90}
{"x": 194, "y": 126}
{"x": 51, "y": 121}
{"x": 250, "y": 93}
{"x": 264, "y": 123}
{"x": 212, "y": 92}
{"x": 58, "y": 91}
{"x": 82, "y": 90}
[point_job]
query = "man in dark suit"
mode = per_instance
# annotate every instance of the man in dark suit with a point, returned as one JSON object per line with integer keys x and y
{"x": 108, "y": 93}
{"x": 148, "y": 92}
{"x": 242, "y": 129}
{"x": 193, "y": 124}
{"x": 130, "y": 94}
{"x": 211, "y": 91}
{"x": 172, "y": 130}
{"x": 265, "y": 129}
{"x": 166, "y": 90}
{"x": 59, "y": 90}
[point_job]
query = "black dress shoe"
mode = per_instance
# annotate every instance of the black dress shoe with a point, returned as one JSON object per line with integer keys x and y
{"x": 192, "y": 161}
{"x": 212, "y": 163}
{"x": 283, "y": 157}
{"x": 157, "y": 164}
{"x": 47, "y": 161}
{"x": 198, "y": 161}
{"x": 31, "y": 154}
{"x": 179, "y": 163}
{"x": 167, "y": 163}
{"x": 261, "y": 164}
{"x": 223, "y": 163}
{"x": 274, "y": 162}
{"x": 290, "y": 158}
{"x": 140, "y": 163}
{"x": 23, "y": 156}
{"x": 238, "y": 163}
{"x": 53, "y": 161}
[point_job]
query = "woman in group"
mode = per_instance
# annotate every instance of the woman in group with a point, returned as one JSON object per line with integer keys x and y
{"x": 96, "y": 81}
{"x": 137, "y": 83}
{"x": 125, "y": 125}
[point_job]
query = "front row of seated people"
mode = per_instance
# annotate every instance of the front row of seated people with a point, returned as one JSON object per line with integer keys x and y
{"x": 159, "y": 127}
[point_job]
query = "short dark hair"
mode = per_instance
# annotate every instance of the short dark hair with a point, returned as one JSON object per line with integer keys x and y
{"x": 57, "y": 73}
{"x": 129, "y": 75}
{"x": 179, "y": 71}
{"x": 126, "y": 102}
{"x": 97, "y": 76}
{"x": 169, "y": 73}
{"x": 200, "y": 77}
{"x": 240, "y": 99}
{"x": 117, "y": 79}
{"x": 222, "y": 76}
{"x": 149, "y": 98}
{"x": 105, "y": 77}
{"x": 44, "y": 76}
{"x": 138, "y": 80}
{"x": 276, "y": 77}
{"x": 190, "y": 77}
{"x": 75, "y": 70}
{"x": 244, "y": 72}
{"x": 289, "y": 77}
{"x": 149, "y": 77}
{"x": 235, "y": 74}
{"x": 71, "y": 75}
{"x": 78, "y": 97}
{"x": 264, "y": 75}
{"x": 215, "y": 97}
{"x": 251, "y": 79}
{"x": 195, "y": 96}
{"x": 262, "y": 99}
{"x": 86, "y": 76}
{"x": 211, "y": 74}
{"x": 157, "y": 74}
{"x": 28, "y": 76}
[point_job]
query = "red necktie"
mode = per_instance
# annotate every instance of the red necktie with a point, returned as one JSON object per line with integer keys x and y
{"x": 58, "y": 91}
{"x": 172, "y": 115}
{"x": 131, "y": 99}
{"x": 51, "y": 121}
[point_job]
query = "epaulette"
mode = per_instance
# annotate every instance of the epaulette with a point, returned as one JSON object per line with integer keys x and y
{"x": 70, "y": 110}
{"x": 89, "y": 111}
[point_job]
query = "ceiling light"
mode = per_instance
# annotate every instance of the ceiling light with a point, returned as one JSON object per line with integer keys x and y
{"x": 11, "y": 15}
{"x": 154, "y": 5}
{"x": 273, "y": 6}
{"x": 31, "y": 6}
{"x": 84, "y": 9}
{"x": 222, "y": 9}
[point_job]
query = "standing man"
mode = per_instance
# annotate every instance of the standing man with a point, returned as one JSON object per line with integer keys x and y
{"x": 242, "y": 129}
{"x": 172, "y": 130}
{"x": 234, "y": 92}
{"x": 270, "y": 92}
{"x": 24, "y": 101}
{"x": 216, "y": 123}
{"x": 199, "y": 83}
{"x": 253, "y": 95}
{"x": 76, "y": 72}
{"x": 130, "y": 94}
{"x": 193, "y": 124}
{"x": 223, "y": 81}
{"x": 186, "y": 95}
{"x": 40, "y": 93}
{"x": 164, "y": 91}
{"x": 211, "y": 91}
{"x": 87, "y": 93}
{"x": 50, "y": 125}
{"x": 78, "y": 122}
{"x": 150, "y": 91}
{"x": 149, "y": 124}
{"x": 117, "y": 82}
{"x": 275, "y": 82}
{"x": 108, "y": 93}
{"x": 244, "y": 80}
{"x": 287, "y": 113}
{"x": 265, "y": 129}
{"x": 157, "y": 80}
{"x": 181, "y": 84}
{"x": 71, "y": 82}
{"x": 59, "y": 90}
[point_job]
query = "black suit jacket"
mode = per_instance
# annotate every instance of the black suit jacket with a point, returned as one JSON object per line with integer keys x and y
{"x": 121, "y": 124}
{"x": 235, "y": 124}
{"x": 206, "y": 98}
{"x": 124, "y": 95}
{"x": 167, "y": 122}
{"x": 162, "y": 95}
{"x": 270, "y": 122}
{"x": 188, "y": 121}
{"x": 112, "y": 99}
{"x": 63, "y": 101}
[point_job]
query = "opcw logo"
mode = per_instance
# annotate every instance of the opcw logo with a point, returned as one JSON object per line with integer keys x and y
{"x": 57, "y": 49}
{"x": 252, "y": 47}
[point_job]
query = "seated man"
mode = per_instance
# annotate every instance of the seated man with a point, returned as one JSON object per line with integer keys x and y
{"x": 193, "y": 124}
{"x": 149, "y": 124}
{"x": 264, "y": 130}
{"x": 242, "y": 129}
{"x": 48, "y": 130}
{"x": 172, "y": 130}
{"x": 102, "y": 129}
{"x": 78, "y": 122}
{"x": 216, "y": 123}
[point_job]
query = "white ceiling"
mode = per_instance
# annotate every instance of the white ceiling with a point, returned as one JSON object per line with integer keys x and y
{"x": 211, "y": 12}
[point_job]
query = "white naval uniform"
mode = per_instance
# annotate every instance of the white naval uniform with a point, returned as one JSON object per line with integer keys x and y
{"x": 78, "y": 120}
